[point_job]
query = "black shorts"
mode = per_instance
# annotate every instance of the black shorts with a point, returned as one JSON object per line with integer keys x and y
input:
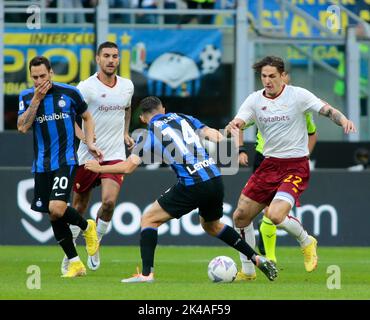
{"x": 52, "y": 185}
{"x": 258, "y": 158}
{"x": 207, "y": 196}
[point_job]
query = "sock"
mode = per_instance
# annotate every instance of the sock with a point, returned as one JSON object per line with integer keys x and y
{"x": 148, "y": 242}
{"x": 295, "y": 229}
{"x": 268, "y": 234}
{"x": 247, "y": 234}
{"x": 63, "y": 235}
{"x": 101, "y": 228}
{"x": 71, "y": 216}
{"x": 75, "y": 259}
{"x": 75, "y": 232}
{"x": 232, "y": 238}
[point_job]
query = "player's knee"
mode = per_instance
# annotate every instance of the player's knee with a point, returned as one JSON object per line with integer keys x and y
{"x": 56, "y": 211}
{"x": 240, "y": 218}
{"x": 275, "y": 216}
{"x": 212, "y": 228}
{"x": 108, "y": 206}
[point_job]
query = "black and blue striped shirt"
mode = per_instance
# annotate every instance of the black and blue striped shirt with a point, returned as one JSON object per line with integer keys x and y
{"x": 53, "y": 127}
{"x": 172, "y": 138}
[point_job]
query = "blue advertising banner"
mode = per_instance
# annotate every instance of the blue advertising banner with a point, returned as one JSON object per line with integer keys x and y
{"x": 173, "y": 62}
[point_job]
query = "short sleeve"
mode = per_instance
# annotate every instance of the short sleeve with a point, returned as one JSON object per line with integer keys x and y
{"x": 309, "y": 100}
{"x": 197, "y": 124}
{"x": 22, "y": 106}
{"x": 246, "y": 111}
{"x": 80, "y": 104}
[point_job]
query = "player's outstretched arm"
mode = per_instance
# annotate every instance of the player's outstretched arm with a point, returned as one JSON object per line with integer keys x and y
{"x": 339, "y": 118}
{"x": 211, "y": 134}
{"x": 126, "y": 167}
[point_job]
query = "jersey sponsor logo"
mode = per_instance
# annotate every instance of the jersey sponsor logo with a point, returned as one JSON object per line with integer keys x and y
{"x": 274, "y": 119}
{"x": 62, "y": 103}
{"x": 105, "y": 108}
{"x": 21, "y": 105}
{"x": 200, "y": 165}
{"x": 52, "y": 117}
{"x": 59, "y": 194}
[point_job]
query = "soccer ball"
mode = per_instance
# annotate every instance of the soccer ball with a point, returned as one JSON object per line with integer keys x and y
{"x": 222, "y": 269}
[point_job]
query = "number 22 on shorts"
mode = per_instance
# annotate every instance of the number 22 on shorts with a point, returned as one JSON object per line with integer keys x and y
{"x": 296, "y": 180}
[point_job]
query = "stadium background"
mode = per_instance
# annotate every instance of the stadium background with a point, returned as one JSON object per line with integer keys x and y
{"x": 208, "y": 61}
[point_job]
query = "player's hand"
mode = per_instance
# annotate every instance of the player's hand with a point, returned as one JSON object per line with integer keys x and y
{"x": 96, "y": 152}
{"x": 235, "y": 124}
{"x": 243, "y": 159}
{"x": 92, "y": 165}
{"x": 129, "y": 141}
{"x": 41, "y": 91}
{"x": 349, "y": 126}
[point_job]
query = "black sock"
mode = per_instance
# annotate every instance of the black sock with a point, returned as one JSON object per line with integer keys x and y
{"x": 233, "y": 239}
{"x": 148, "y": 242}
{"x": 72, "y": 216}
{"x": 64, "y": 237}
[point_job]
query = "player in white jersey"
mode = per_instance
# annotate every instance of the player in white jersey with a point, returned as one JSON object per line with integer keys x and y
{"x": 108, "y": 97}
{"x": 279, "y": 113}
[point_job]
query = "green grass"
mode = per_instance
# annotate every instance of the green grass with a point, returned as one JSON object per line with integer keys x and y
{"x": 181, "y": 274}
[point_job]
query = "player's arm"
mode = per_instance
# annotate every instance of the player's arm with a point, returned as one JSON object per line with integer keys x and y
{"x": 128, "y": 140}
{"x": 338, "y": 118}
{"x": 312, "y": 139}
{"x": 26, "y": 119}
{"x": 89, "y": 135}
{"x": 211, "y": 134}
{"x": 79, "y": 133}
{"x": 126, "y": 167}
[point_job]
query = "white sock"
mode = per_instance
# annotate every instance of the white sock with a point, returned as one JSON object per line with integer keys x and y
{"x": 295, "y": 229}
{"x": 77, "y": 258}
{"x": 247, "y": 265}
{"x": 101, "y": 228}
{"x": 75, "y": 232}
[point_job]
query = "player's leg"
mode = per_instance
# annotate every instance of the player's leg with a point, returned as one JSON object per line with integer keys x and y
{"x": 228, "y": 235}
{"x": 243, "y": 216}
{"x": 62, "y": 216}
{"x": 278, "y": 213}
{"x": 150, "y": 222}
{"x": 110, "y": 191}
{"x": 267, "y": 230}
{"x": 293, "y": 183}
{"x": 80, "y": 203}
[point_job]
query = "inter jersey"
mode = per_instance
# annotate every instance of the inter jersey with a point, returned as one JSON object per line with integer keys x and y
{"x": 53, "y": 127}
{"x": 172, "y": 138}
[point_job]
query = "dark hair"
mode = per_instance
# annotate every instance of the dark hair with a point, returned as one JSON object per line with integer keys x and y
{"x": 38, "y": 61}
{"x": 106, "y": 44}
{"x": 148, "y": 104}
{"x": 270, "y": 61}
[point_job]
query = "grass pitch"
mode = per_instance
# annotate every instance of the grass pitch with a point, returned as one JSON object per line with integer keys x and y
{"x": 181, "y": 274}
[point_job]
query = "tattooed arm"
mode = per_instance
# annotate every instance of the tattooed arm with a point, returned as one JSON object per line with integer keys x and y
{"x": 337, "y": 117}
{"x": 25, "y": 121}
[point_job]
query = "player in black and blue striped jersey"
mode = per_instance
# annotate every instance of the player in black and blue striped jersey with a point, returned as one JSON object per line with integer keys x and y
{"x": 50, "y": 109}
{"x": 175, "y": 139}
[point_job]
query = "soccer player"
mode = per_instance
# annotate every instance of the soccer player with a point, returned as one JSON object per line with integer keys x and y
{"x": 279, "y": 113}
{"x": 177, "y": 138}
{"x": 267, "y": 229}
{"x": 108, "y": 97}
{"x": 50, "y": 109}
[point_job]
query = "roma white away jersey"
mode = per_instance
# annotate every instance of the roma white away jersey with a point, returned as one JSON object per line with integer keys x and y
{"x": 281, "y": 120}
{"x": 107, "y": 106}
